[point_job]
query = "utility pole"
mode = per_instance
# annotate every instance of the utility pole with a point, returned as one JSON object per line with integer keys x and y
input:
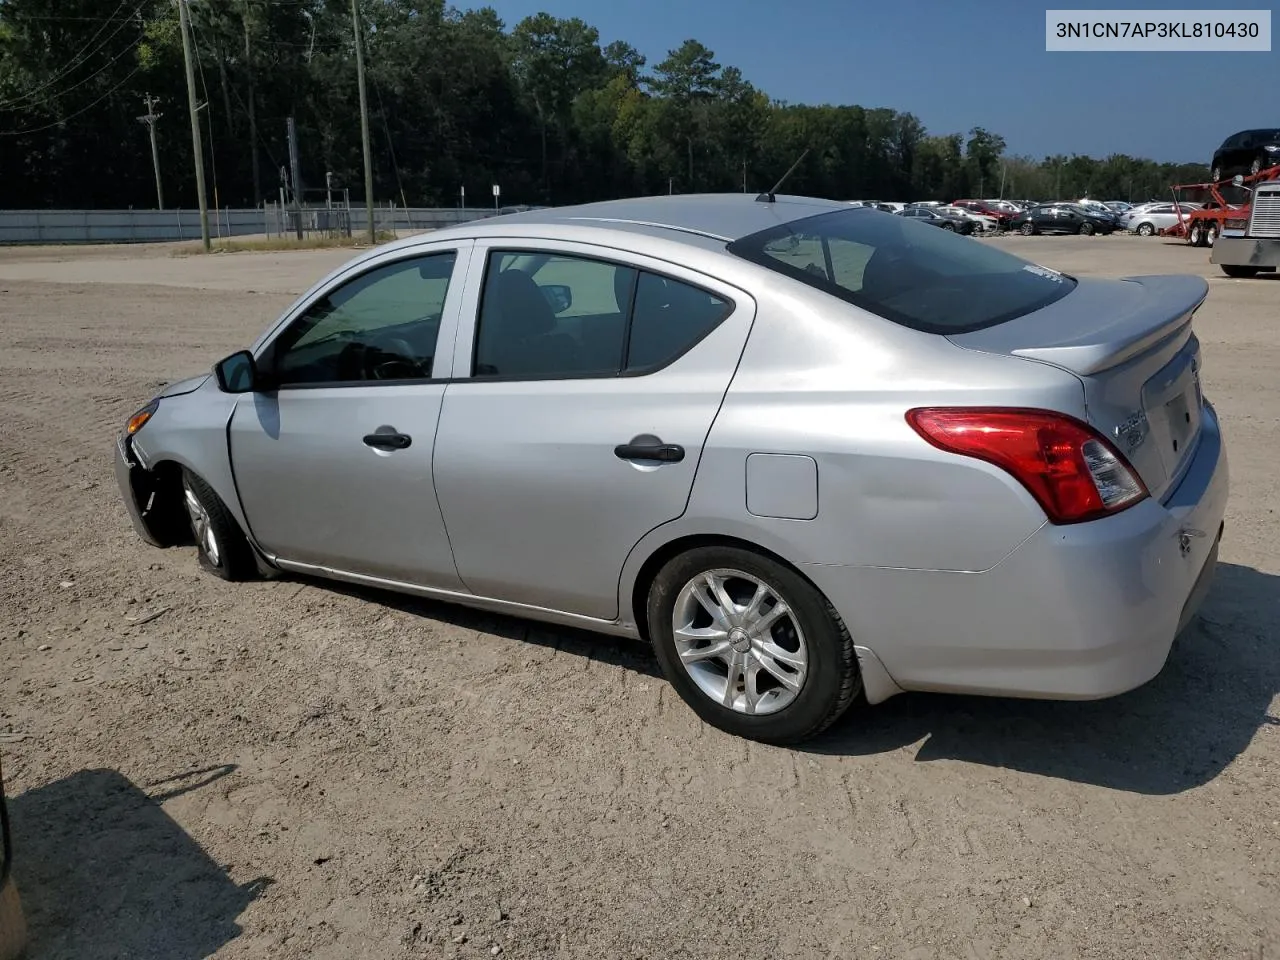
{"x": 295, "y": 176}
{"x": 364, "y": 118}
{"x": 253, "y": 117}
{"x": 150, "y": 118}
{"x": 195, "y": 123}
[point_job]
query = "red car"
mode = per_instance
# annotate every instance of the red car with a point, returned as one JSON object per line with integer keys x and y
{"x": 987, "y": 210}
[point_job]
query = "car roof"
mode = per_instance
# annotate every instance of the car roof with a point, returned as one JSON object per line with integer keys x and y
{"x": 723, "y": 217}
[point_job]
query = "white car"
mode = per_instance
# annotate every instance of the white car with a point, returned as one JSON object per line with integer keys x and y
{"x": 1148, "y": 220}
{"x": 980, "y": 221}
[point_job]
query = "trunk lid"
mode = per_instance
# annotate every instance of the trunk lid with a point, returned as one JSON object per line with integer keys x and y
{"x": 1130, "y": 343}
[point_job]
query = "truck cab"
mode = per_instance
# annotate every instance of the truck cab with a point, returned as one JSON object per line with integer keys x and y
{"x": 1250, "y": 242}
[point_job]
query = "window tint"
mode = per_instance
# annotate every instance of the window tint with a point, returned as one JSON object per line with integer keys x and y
{"x": 670, "y": 317}
{"x": 913, "y": 274}
{"x": 381, "y": 325}
{"x": 547, "y": 315}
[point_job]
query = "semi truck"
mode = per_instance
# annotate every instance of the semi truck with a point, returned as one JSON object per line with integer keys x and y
{"x": 1249, "y": 242}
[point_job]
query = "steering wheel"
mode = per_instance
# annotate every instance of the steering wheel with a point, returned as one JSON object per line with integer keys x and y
{"x": 402, "y": 365}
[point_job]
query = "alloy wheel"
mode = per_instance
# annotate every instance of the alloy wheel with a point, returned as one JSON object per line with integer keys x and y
{"x": 740, "y": 641}
{"x": 201, "y": 526}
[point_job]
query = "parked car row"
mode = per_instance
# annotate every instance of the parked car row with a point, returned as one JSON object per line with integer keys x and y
{"x": 969, "y": 216}
{"x": 1029, "y": 217}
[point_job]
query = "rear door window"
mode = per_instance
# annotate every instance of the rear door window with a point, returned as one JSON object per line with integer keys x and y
{"x": 558, "y": 316}
{"x": 907, "y": 272}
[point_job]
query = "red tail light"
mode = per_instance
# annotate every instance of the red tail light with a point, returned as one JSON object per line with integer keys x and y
{"x": 1069, "y": 468}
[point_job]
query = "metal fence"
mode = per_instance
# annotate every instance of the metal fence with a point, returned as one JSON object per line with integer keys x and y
{"x": 152, "y": 226}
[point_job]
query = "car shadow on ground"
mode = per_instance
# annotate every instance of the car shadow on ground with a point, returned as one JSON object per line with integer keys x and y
{"x": 104, "y": 872}
{"x": 614, "y": 651}
{"x": 1177, "y": 732}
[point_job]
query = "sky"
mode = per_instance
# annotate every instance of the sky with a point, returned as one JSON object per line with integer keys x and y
{"x": 957, "y": 64}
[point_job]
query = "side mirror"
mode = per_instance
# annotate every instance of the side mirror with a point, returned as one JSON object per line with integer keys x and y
{"x": 559, "y": 296}
{"x": 237, "y": 373}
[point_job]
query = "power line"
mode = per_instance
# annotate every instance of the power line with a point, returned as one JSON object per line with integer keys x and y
{"x": 51, "y": 100}
{"x": 81, "y": 112}
{"x": 76, "y": 59}
{"x": 391, "y": 147}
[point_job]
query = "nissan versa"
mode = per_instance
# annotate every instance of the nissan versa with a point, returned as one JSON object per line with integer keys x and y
{"x": 814, "y": 453}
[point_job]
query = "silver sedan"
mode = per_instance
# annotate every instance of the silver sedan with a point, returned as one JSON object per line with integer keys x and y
{"x": 1151, "y": 219}
{"x": 815, "y": 454}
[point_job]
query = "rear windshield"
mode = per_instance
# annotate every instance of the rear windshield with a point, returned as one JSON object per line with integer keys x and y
{"x": 909, "y": 272}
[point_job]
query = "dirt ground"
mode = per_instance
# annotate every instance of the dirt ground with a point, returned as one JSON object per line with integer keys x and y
{"x": 291, "y": 769}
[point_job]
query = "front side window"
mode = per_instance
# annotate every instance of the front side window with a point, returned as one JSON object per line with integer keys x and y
{"x": 545, "y": 316}
{"x": 381, "y": 325}
{"x": 927, "y": 279}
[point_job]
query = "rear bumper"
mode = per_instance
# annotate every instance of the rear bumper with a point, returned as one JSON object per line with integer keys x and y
{"x": 1074, "y": 612}
{"x": 1246, "y": 252}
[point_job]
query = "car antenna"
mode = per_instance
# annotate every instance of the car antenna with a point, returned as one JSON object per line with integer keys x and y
{"x": 769, "y": 197}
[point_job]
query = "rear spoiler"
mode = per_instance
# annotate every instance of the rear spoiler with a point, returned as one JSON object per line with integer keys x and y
{"x": 1100, "y": 325}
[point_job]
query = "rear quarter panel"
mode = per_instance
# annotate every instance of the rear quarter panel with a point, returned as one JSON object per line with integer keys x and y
{"x": 823, "y": 379}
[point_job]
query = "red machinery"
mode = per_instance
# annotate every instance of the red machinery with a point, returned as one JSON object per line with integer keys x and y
{"x": 1202, "y": 227}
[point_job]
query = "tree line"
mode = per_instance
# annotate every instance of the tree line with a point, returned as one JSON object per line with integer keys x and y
{"x": 544, "y": 108}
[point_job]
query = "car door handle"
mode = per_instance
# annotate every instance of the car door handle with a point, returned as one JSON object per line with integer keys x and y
{"x": 388, "y": 441}
{"x": 664, "y": 452}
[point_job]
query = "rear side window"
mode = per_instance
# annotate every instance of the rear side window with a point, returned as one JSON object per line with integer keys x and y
{"x": 669, "y": 317}
{"x": 911, "y": 273}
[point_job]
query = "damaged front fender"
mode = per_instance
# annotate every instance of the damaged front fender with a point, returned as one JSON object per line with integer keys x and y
{"x": 151, "y": 498}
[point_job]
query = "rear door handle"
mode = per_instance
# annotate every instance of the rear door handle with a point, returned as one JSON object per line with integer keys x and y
{"x": 388, "y": 441}
{"x": 663, "y": 452}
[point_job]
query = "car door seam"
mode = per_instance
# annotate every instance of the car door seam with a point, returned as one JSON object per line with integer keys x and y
{"x": 235, "y": 486}
{"x": 622, "y": 610}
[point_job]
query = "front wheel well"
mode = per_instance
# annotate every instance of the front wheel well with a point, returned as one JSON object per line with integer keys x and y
{"x": 164, "y": 513}
{"x": 668, "y": 551}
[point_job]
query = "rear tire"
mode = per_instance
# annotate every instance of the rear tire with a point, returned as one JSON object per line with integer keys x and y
{"x": 822, "y": 665}
{"x": 1195, "y": 235}
{"x": 221, "y": 545}
{"x": 1146, "y": 229}
{"x": 1086, "y": 229}
{"x": 1238, "y": 271}
{"x": 1027, "y": 229}
{"x": 1210, "y": 234}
